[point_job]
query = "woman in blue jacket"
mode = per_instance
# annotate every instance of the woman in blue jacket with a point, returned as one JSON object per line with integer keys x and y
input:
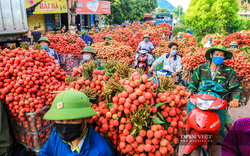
{"x": 85, "y": 37}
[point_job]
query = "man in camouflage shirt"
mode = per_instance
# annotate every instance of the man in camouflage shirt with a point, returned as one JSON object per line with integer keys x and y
{"x": 218, "y": 72}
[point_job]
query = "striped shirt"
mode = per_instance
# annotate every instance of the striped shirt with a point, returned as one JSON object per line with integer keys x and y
{"x": 237, "y": 139}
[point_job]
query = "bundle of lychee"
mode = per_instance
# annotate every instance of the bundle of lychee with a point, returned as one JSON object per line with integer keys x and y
{"x": 28, "y": 78}
{"x": 136, "y": 120}
{"x": 66, "y": 44}
{"x": 115, "y": 51}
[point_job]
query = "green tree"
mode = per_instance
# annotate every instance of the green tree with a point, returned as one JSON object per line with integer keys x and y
{"x": 163, "y": 10}
{"x": 176, "y": 11}
{"x": 212, "y": 16}
{"x": 129, "y": 10}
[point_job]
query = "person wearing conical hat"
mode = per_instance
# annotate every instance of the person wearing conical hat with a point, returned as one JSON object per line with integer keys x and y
{"x": 88, "y": 54}
{"x": 219, "y": 74}
{"x": 145, "y": 44}
{"x": 234, "y": 45}
{"x": 72, "y": 135}
{"x": 45, "y": 43}
{"x": 134, "y": 31}
{"x": 180, "y": 36}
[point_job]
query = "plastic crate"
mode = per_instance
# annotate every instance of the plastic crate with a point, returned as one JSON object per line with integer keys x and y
{"x": 34, "y": 132}
{"x": 160, "y": 66}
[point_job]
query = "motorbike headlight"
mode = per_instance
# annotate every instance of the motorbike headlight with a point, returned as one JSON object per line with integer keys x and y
{"x": 216, "y": 107}
{"x": 204, "y": 104}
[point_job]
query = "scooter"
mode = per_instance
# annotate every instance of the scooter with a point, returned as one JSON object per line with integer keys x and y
{"x": 143, "y": 59}
{"x": 203, "y": 125}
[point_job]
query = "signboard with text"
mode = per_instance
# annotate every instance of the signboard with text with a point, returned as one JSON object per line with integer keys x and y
{"x": 48, "y": 6}
{"x": 93, "y": 7}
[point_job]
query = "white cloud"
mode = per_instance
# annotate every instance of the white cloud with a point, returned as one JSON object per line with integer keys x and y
{"x": 184, "y": 3}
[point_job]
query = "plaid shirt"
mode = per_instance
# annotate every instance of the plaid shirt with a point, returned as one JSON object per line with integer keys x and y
{"x": 225, "y": 76}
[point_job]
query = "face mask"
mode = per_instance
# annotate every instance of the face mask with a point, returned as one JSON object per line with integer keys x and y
{"x": 65, "y": 28}
{"x": 210, "y": 42}
{"x": 134, "y": 31}
{"x": 233, "y": 47}
{"x": 179, "y": 36}
{"x": 173, "y": 52}
{"x": 217, "y": 60}
{"x": 146, "y": 39}
{"x": 44, "y": 47}
{"x": 69, "y": 132}
{"x": 86, "y": 57}
{"x": 96, "y": 30}
{"x": 111, "y": 28}
{"x": 74, "y": 27}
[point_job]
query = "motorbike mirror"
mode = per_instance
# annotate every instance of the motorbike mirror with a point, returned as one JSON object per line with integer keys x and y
{"x": 231, "y": 90}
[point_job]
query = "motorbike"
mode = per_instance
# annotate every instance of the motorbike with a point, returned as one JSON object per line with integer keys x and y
{"x": 203, "y": 125}
{"x": 144, "y": 60}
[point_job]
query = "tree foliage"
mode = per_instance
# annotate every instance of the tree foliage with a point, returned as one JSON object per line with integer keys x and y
{"x": 129, "y": 10}
{"x": 162, "y": 10}
{"x": 212, "y": 16}
{"x": 176, "y": 11}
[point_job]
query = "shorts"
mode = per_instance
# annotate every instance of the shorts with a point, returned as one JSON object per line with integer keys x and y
{"x": 227, "y": 118}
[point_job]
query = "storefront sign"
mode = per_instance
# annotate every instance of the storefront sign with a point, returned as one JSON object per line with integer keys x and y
{"x": 93, "y": 7}
{"x": 48, "y": 6}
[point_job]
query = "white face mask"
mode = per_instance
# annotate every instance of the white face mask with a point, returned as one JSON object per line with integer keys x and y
{"x": 86, "y": 57}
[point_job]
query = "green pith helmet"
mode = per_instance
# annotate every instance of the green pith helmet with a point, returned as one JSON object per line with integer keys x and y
{"x": 70, "y": 105}
{"x": 88, "y": 49}
{"x": 43, "y": 39}
{"x": 83, "y": 32}
{"x": 133, "y": 29}
{"x": 146, "y": 36}
{"x": 109, "y": 37}
{"x": 234, "y": 43}
{"x": 112, "y": 26}
{"x": 142, "y": 26}
{"x": 228, "y": 54}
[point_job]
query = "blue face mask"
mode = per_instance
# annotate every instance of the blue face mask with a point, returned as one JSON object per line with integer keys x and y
{"x": 210, "y": 42}
{"x": 65, "y": 28}
{"x": 74, "y": 27}
{"x": 134, "y": 31}
{"x": 96, "y": 30}
{"x": 179, "y": 36}
{"x": 44, "y": 47}
{"x": 233, "y": 47}
{"x": 217, "y": 60}
{"x": 146, "y": 39}
{"x": 111, "y": 29}
{"x": 173, "y": 52}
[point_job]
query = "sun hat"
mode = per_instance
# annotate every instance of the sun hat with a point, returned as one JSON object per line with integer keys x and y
{"x": 228, "y": 54}
{"x": 69, "y": 105}
{"x": 234, "y": 43}
{"x": 109, "y": 37}
{"x": 83, "y": 32}
{"x": 146, "y": 36}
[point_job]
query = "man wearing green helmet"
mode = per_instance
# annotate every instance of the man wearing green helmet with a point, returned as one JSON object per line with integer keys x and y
{"x": 72, "y": 135}
{"x": 89, "y": 54}
{"x": 45, "y": 45}
{"x": 145, "y": 44}
{"x": 108, "y": 39}
{"x": 85, "y": 37}
{"x": 216, "y": 75}
{"x": 234, "y": 45}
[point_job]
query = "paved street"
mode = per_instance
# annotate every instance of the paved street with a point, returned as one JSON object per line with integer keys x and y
{"x": 235, "y": 114}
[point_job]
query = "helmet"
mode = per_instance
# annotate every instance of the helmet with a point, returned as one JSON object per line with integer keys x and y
{"x": 88, "y": 49}
{"x": 83, "y": 32}
{"x": 109, "y": 37}
{"x": 146, "y": 36}
{"x": 69, "y": 105}
{"x": 133, "y": 29}
{"x": 234, "y": 43}
{"x": 180, "y": 33}
{"x": 210, "y": 39}
{"x": 43, "y": 39}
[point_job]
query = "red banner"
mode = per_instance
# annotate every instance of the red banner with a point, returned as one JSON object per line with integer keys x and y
{"x": 93, "y": 7}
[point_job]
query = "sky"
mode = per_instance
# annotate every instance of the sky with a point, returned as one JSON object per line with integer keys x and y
{"x": 184, "y": 3}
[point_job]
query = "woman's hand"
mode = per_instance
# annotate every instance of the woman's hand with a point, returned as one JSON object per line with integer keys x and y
{"x": 151, "y": 69}
{"x": 174, "y": 74}
{"x": 234, "y": 103}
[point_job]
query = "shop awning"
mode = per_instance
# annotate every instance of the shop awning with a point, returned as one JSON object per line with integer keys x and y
{"x": 147, "y": 15}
